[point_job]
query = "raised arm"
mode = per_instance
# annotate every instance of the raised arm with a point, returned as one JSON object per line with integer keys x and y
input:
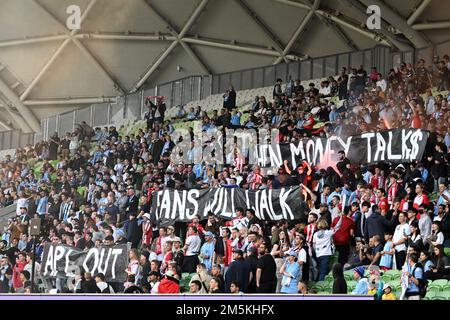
{"x": 286, "y": 167}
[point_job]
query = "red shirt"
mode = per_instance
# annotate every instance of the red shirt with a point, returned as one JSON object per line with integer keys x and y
{"x": 392, "y": 193}
{"x": 228, "y": 257}
{"x": 418, "y": 200}
{"x": 168, "y": 286}
{"x": 383, "y": 205}
{"x": 199, "y": 227}
{"x": 16, "y": 274}
{"x": 416, "y": 123}
{"x": 342, "y": 236}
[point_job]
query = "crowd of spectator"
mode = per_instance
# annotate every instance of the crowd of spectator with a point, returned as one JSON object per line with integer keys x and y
{"x": 94, "y": 187}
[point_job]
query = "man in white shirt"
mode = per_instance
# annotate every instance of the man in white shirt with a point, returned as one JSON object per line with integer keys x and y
{"x": 381, "y": 83}
{"x": 22, "y": 202}
{"x": 399, "y": 240}
{"x": 241, "y": 220}
{"x": 191, "y": 249}
{"x": 430, "y": 103}
{"x": 325, "y": 89}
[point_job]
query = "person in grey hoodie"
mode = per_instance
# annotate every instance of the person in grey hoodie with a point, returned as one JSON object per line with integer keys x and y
{"x": 424, "y": 223}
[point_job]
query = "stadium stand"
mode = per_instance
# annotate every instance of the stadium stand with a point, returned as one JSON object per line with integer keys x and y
{"x": 93, "y": 186}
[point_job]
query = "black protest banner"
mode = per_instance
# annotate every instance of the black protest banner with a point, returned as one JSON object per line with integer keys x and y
{"x": 64, "y": 261}
{"x": 396, "y": 146}
{"x": 269, "y": 205}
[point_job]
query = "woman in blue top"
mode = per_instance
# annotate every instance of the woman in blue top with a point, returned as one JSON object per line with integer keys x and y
{"x": 291, "y": 273}
{"x": 425, "y": 260}
{"x": 388, "y": 252}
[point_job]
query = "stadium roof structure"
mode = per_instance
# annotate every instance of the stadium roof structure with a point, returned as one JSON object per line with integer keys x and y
{"x": 123, "y": 45}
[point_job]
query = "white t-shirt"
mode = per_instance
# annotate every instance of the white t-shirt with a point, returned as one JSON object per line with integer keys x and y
{"x": 322, "y": 244}
{"x": 399, "y": 234}
{"x": 194, "y": 243}
{"x": 382, "y": 84}
{"x": 325, "y": 90}
{"x": 440, "y": 238}
{"x": 21, "y": 202}
{"x": 163, "y": 248}
{"x": 302, "y": 255}
{"x": 239, "y": 223}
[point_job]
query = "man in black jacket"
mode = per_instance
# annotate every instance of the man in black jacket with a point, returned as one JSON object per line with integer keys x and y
{"x": 132, "y": 230}
{"x": 132, "y": 204}
{"x": 239, "y": 271}
{"x": 360, "y": 219}
{"x": 156, "y": 147}
{"x": 376, "y": 225}
{"x": 445, "y": 227}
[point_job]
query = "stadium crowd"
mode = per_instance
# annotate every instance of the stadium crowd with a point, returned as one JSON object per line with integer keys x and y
{"x": 94, "y": 187}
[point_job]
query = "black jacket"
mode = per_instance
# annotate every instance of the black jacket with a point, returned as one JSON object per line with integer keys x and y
{"x": 376, "y": 224}
{"x": 88, "y": 286}
{"x": 239, "y": 270}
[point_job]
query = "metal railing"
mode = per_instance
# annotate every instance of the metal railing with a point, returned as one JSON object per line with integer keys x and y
{"x": 182, "y": 91}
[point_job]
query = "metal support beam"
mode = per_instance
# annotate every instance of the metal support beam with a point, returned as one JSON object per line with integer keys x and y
{"x": 361, "y": 15}
{"x": 432, "y": 25}
{"x": 356, "y": 28}
{"x": 5, "y": 125}
{"x": 154, "y": 66}
{"x": 18, "y": 120}
{"x": 122, "y": 36}
{"x": 416, "y": 38}
{"x": 187, "y": 26}
{"x": 180, "y": 37}
{"x": 70, "y": 101}
{"x": 195, "y": 58}
{"x": 28, "y": 121}
{"x": 239, "y": 47}
{"x": 417, "y": 12}
{"x": 299, "y": 30}
{"x": 69, "y": 37}
{"x": 174, "y": 32}
{"x": 294, "y": 4}
{"x": 270, "y": 35}
{"x": 99, "y": 66}
{"x": 341, "y": 33}
{"x": 44, "y": 69}
{"x": 18, "y": 42}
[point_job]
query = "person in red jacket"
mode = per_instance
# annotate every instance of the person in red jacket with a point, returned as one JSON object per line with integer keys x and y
{"x": 342, "y": 237}
{"x": 392, "y": 190}
{"x": 169, "y": 284}
{"x": 377, "y": 180}
{"x": 421, "y": 198}
{"x": 382, "y": 201}
{"x": 228, "y": 252}
{"x": 18, "y": 267}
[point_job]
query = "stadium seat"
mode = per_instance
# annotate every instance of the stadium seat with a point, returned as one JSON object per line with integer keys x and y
{"x": 447, "y": 252}
{"x": 444, "y": 294}
{"x": 438, "y": 298}
{"x": 348, "y": 275}
{"x": 320, "y": 285}
{"x": 393, "y": 273}
{"x": 329, "y": 278}
{"x": 430, "y": 294}
{"x": 386, "y": 277}
{"x": 438, "y": 284}
{"x": 329, "y": 287}
{"x": 351, "y": 285}
{"x": 446, "y": 288}
{"x": 395, "y": 285}
{"x": 184, "y": 275}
